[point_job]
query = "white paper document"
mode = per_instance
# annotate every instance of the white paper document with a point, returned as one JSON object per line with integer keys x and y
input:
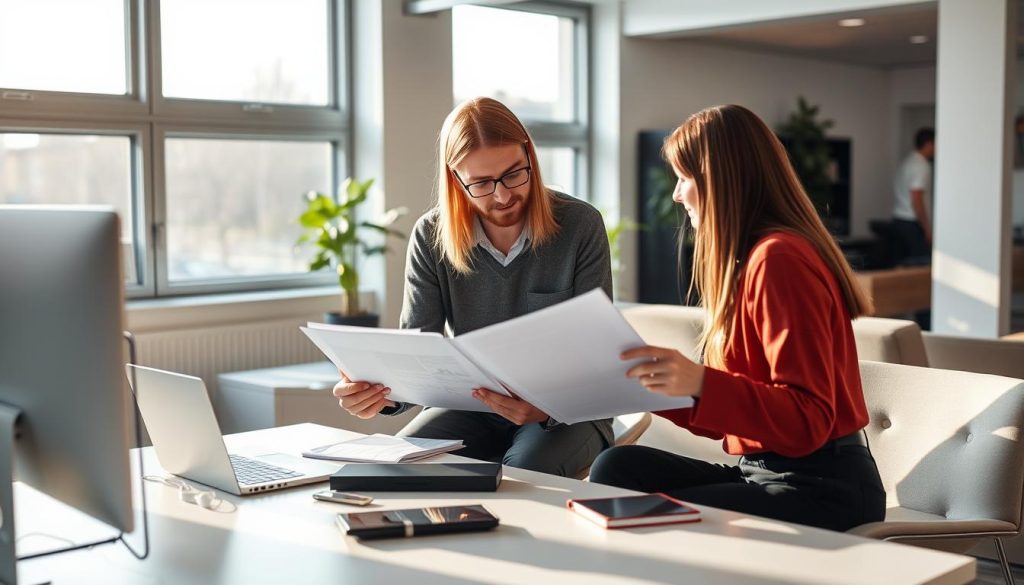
{"x": 421, "y": 368}
{"x": 563, "y": 359}
{"x": 380, "y": 448}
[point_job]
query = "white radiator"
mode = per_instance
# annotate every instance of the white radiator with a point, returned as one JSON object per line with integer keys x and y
{"x": 208, "y": 351}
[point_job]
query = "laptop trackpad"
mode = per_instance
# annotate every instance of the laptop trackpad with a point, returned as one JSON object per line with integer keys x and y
{"x": 299, "y": 464}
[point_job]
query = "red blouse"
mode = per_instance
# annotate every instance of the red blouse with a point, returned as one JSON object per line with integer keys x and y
{"x": 791, "y": 381}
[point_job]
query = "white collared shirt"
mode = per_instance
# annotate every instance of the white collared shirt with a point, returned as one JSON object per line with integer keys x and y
{"x": 481, "y": 239}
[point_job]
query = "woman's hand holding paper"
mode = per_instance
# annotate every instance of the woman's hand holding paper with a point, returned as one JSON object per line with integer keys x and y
{"x": 667, "y": 372}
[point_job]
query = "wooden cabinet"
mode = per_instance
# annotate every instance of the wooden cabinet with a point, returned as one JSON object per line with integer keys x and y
{"x": 898, "y": 291}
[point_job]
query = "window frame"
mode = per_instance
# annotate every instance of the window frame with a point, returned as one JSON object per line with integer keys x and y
{"x": 148, "y": 118}
{"x": 17, "y": 102}
{"x": 236, "y": 283}
{"x": 140, "y": 174}
{"x": 256, "y": 113}
{"x": 575, "y": 134}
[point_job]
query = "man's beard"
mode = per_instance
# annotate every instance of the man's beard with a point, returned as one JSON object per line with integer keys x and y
{"x": 512, "y": 214}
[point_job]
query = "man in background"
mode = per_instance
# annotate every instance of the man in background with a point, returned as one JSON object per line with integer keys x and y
{"x": 913, "y": 188}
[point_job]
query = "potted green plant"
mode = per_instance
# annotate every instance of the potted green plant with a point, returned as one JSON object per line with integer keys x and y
{"x": 333, "y": 228}
{"x": 805, "y": 138}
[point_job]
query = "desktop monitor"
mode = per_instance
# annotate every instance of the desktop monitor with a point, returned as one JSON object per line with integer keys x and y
{"x": 61, "y": 356}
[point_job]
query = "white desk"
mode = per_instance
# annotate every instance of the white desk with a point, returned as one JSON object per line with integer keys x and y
{"x": 286, "y": 537}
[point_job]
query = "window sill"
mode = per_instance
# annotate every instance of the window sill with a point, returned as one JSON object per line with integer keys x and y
{"x": 148, "y": 315}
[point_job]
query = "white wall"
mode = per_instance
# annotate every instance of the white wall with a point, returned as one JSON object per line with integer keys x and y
{"x": 403, "y": 91}
{"x": 664, "y": 81}
{"x": 914, "y": 86}
{"x": 973, "y": 171}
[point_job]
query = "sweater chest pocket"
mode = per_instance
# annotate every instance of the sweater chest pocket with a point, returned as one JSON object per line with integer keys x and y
{"x": 538, "y": 300}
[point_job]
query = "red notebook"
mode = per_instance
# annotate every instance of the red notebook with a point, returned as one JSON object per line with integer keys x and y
{"x": 629, "y": 511}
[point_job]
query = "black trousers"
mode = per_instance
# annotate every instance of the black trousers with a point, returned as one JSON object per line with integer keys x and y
{"x": 912, "y": 247}
{"x": 835, "y": 488}
{"x": 563, "y": 450}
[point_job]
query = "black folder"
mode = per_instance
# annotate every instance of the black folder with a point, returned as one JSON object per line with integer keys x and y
{"x": 417, "y": 477}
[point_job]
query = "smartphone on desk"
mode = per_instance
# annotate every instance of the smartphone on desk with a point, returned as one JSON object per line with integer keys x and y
{"x": 342, "y": 497}
{"x": 641, "y": 510}
{"x": 416, "y": 521}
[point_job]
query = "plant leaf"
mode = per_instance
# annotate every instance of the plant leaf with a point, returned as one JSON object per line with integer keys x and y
{"x": 348, "y": 278}
{"x": 355, "y": 192}
{"x": 382, "y": 229}
{"x": 312, "y": 219}
{"x": 320, "y": 261}
{"x": 374, "y": 250}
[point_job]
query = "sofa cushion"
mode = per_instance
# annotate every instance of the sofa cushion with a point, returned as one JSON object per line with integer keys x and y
{"x": 971, "y": 354}
{"x": 893, "y": 341}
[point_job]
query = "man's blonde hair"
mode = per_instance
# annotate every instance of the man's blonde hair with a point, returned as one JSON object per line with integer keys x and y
{"x": 473, "y": 124}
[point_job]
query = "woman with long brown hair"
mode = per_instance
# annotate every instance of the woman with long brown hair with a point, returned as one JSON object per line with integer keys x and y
{"x": 780, "y": 382}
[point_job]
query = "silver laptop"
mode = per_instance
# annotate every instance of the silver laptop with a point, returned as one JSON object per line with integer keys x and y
{"x": 188, "y": 441}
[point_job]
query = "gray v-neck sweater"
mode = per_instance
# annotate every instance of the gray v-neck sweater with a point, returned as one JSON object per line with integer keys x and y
{"x": 575, "y": 261}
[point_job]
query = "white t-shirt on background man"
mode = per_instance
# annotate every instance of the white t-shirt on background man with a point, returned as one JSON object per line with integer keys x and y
{"x": 914, "y": 173}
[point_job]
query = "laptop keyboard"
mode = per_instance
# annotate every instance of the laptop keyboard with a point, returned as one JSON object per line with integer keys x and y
{"x": 249, "y": 471}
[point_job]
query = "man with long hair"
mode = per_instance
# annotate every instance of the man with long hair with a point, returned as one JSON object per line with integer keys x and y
{"x": 498, "y": 244}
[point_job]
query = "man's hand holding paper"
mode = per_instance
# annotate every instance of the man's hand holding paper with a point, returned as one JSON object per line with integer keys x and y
{"x": 512, "y": 408}
{"x": 361, "y": 399}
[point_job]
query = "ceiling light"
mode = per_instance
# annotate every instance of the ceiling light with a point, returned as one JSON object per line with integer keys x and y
{"x": 918, "y": 39}
{"x": 852, "y": 22}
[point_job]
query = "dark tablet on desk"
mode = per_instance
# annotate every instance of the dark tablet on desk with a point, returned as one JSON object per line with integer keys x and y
{"x": 416, "y": 522}
{"x": 417, "y": 477}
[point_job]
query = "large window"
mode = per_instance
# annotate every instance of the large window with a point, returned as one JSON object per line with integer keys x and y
{"x": 64, "y": 45}
{"x": 538, "y": 69}
{"x": 240, "y": 50}
{"x": 202, "y": 123}
{"x": 226, "y": 223}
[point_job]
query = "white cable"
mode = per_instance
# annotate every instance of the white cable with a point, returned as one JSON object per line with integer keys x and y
{"x": 206, "y": 499}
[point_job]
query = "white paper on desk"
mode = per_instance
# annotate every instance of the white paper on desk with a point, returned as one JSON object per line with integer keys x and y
{"x": 420, "y": 368}
{"x": 565, "y": 360}
{"x": 379, "y": 448}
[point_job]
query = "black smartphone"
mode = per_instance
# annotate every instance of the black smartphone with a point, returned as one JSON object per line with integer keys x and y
{"x": 416, "y": 521}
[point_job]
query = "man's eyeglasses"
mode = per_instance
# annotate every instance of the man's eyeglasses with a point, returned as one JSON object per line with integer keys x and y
{"x": 510, "y": 180}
